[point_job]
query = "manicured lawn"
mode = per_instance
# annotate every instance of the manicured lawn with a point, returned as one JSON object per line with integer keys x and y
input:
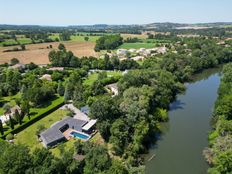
{"x": 9, "y": 99}
{"x": 93, "y": 77}
{"x": 137, "y": 45}
{"x": 28, "y": 136}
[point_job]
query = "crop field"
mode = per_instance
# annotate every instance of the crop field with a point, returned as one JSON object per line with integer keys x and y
{"x": 38, "y": 53}
{"x": 137, "y": 45}
{"x": 140, "y": 36}
{"x": 20, "y": 41}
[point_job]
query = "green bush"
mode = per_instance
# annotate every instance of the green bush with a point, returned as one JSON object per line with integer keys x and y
{"x": 10, "y": 137}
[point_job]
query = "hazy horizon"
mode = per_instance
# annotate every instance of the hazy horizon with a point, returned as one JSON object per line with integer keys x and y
{"x": 77, "y": 12}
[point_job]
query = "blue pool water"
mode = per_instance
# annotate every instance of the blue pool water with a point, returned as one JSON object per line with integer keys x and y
{"x": 79, "y": 135}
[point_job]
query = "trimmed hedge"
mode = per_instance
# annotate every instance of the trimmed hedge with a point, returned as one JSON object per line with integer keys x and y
{"x": 34, "y": 119}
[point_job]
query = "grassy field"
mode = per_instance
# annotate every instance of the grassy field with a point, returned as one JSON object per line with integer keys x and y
{"x": 10, "y": 99}
{"x": 20, "y": 40}
{"x": 28, "y": 136}
{"x": 75, "y": 38}
{"x": 93, "y": 77}
{"x": 137, "y": 45}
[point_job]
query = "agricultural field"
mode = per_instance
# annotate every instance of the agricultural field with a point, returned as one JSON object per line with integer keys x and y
{"x": 38, "y": 53}
{"x": 18, "y": 42}
{"x": 140, "y": 36}
{"x": 137, "y": 45}
{"x": 76, "y": 38}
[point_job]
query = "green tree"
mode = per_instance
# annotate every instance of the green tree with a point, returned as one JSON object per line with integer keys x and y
{"x": 60, "y": 89}
{"x": 14, "y": 61}
{"x": 86, "y": 38}
{"x": 15, "y": 159}
{"x": 97, "y": 160}
{"x": 18, "y": 117}
{"x": 119, "y": 136}
{"x": 25, "y": 108}
{"x": 1, "y": 128}
{"x": 61, "y": 47}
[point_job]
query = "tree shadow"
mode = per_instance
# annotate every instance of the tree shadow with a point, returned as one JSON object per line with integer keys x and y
{"x": 178, "y": 104}
{"x": 47, "y": 103}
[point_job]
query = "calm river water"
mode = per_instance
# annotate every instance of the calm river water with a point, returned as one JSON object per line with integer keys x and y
{"x": 179, "y": 148}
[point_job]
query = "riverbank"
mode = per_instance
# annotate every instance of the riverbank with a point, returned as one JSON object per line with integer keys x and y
{"x": 185, "y": 135}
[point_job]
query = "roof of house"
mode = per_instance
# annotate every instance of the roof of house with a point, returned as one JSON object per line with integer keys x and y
{"x": 17, "y": 66}
{"x": 85, "y": 110}
{"x": 54, "y": 133}
{"x": 56, "y": 69}
{"x": 47, "y": 77}
{"x": 16, "y": 107}
{"x": 90, "y": 124}
{"x": 114, "y": 85}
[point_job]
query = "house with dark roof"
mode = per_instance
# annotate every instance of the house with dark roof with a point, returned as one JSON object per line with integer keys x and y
{"x": 54, "y": 134}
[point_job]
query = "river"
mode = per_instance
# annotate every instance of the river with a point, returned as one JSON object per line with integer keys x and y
{"x": 179, "y": 148}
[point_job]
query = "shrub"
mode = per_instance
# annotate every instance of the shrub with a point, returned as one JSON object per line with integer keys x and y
{"x": 10, "y": 137}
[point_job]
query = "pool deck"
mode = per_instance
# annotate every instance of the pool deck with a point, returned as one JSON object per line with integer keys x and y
{"x": 69, "y": 137}
{"x": 67, "y": 134}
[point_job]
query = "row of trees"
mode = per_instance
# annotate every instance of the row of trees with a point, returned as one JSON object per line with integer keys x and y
{"x": 219, "y": 154}
{"x": 17, "y": 159}
{"x": 64, "y": 58}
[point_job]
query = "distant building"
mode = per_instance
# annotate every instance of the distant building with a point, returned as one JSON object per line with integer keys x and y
{"x": 18, "y": 66}
{"x": 122, "y": 52}
{"x": 137, "y": 58}
{"x": 114, "y": 88}
{"x": 6, "y": 117}
{"x": 132, "y": 50}
{"x": 56, "y": 69}
{"x": 47, "y": 77}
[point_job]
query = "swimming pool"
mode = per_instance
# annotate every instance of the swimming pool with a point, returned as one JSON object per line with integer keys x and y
{"x": 79, "y": 135}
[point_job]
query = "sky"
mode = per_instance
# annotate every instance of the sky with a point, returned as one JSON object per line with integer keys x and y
{"x": 88, "y": 12}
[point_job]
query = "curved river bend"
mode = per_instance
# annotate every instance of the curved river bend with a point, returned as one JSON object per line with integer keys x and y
{"x": 179, "y": 149}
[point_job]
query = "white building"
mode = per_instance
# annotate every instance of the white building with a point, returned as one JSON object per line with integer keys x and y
{"x": 122, "y": 52}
